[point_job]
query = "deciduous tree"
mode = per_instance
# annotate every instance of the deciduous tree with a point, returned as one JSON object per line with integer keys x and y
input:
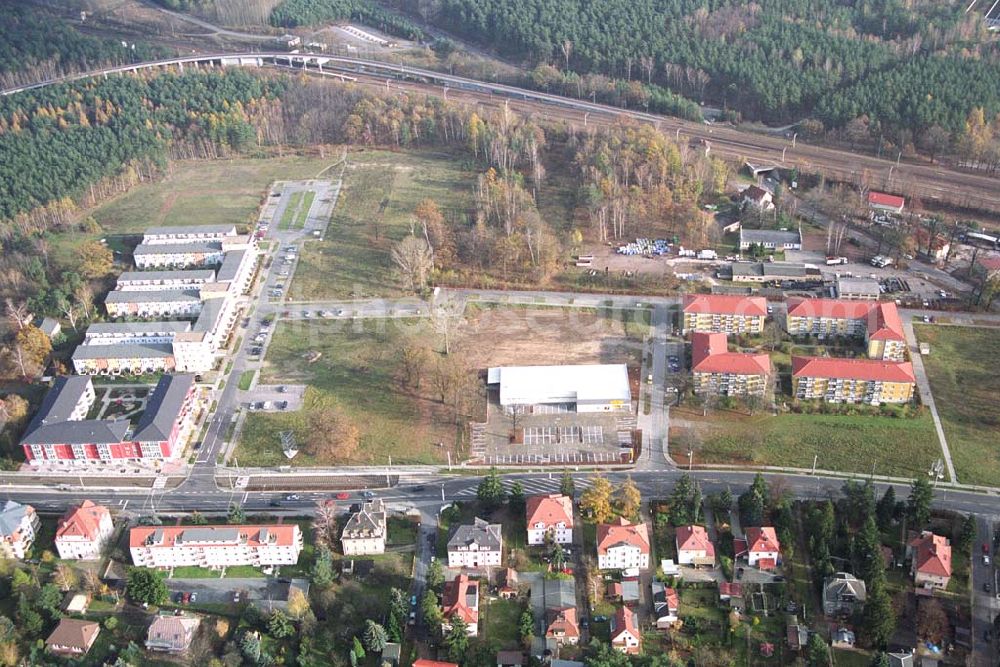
{"x": 628, "y": 499}
{"x": 146, "y": 586}
{"x": 95, "y": 259}
{"x": 595, "y": 502}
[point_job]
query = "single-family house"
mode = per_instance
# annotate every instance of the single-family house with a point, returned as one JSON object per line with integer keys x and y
{"x": 510, "y": 659}
{"x": 900, "y": 659}
{"x": 477, "y": 546}
{"x": 625, "y": 635}
{"x": 931, "y": 560}
{"x": 843, "y": 594}
{"x": 763, "y": 549}
{"x": 72, "y": 637}
{"x": 82, "y": 533}
{"x": 561, "y": 625}
{"x": 694, "y": 546}
{"x": 843, "y": 638}
{"x": 172, "y": 634}
{"x": 758, "y": 198}
{"x": 461, "y": 599}
{"x": 666, "y": 604}
{"x": 550, "y": 516}
{"x": 880, "y": 201}
{"x": 622, "y": 545}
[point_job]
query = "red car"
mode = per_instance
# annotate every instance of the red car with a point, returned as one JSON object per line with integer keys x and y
{"x": 343, "y": 495}
{"x": 986, "y": 548}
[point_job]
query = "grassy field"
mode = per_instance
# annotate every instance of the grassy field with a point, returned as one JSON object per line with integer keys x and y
{"x": 291, "y": 210}
{"x": 500, "y": 621}
{"x": 357, "y": 371}
{"x": 195, "y": 192}
{"x": 374, "y": 210}
{"x": 246, "y": 379}
{"x": 961, "y": 369}
{"x": 904, "y": 447}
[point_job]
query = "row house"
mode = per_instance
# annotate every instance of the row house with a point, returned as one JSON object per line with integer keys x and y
{"x": 215, "y": 547}
{"x": 152, "y": 281}
{"x": 477, "y": 546}
{"x": 188, "y": 233}
{"x": 159, "y": 303}
{"x": 160, "y": 433}
{"x": 550, "y": 516}
{"x": 365, "y": 530}
{"x": 18, "y": 527}
{"x": 623, "y": 545}
{"x": 878, "y": 323}
{"x": 460, "y": 598}
{"x": 717, "y": 371}
{"x": 178, "y": 255}
{"x": 84, "y": 531}
{"x": 124, "y": 359}
{"x": 716, "y": 313}
{"x": 852, "y": 380}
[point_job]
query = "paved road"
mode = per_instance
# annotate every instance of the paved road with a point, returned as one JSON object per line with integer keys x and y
{"x": 985, "y": 604}
{"x": 655, "y": 425}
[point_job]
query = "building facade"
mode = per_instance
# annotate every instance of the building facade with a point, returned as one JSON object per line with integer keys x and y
{"x": 365, "y": 530}
{"x": 83, "y": 532}
{"x": 18, "y": 526}
{"x": 931, "y": 560}
{"x": 694, "y": 547}
{"x": 852, "y": 380}
{"x": 153, "y": 304}
{"x": 878, "y": 323}
{"x": 623, "y": 545}
{"x": 550, "y": 515}
{"x": 717, "y": 371}
{"x": 571, "y": 388}
{"x": 477, "y": 546}
{"x": 715, "y": 313}
{"x": 215, "y": 547}
{"x": 770, "y": 239}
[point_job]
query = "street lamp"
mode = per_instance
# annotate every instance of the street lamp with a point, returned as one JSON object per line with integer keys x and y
{"x": 937, "y": 471}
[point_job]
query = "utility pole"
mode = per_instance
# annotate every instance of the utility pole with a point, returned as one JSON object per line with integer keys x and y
{"x": 690, "y": 457}
{"x": 794, "y": 136}
{"x": 815, "y": 459}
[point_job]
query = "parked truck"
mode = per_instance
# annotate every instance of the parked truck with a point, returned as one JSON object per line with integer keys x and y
{"x": 707, "y": 254}
{"x": 834, "y": 261}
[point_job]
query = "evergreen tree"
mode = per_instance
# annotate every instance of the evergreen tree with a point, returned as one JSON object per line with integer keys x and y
{"x": 817, "y": 652}
{"x": 567, "y": 486}
{"x": 886, "y": 508}
{"x": 966, "y": 534}
{"x": 918, "y": 505}
{"x": 457, "y": 639}
{"x": 490, "y": 492}
{"x": 879, "y": 617}
{"x": 375, "y": 637}
{"x": 753, "y": 502}
{"x": 322, "y": 570}
{"x": 516, "y": 500}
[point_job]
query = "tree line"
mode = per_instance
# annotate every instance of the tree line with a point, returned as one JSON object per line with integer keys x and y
{"x": 295, "y": 13}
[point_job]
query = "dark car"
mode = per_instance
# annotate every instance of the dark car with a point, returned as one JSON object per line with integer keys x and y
{"x": 986, "y": 587}
{"x": 600, "y": 619}
{"x": 419, "y": 488}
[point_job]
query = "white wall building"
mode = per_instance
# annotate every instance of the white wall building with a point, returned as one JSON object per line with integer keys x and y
{"x": 83, "y": 532}
{"x": 215, "y": 546}
{"x": 18, "y": 527}
{"x": 477, "y": 546}
{"x": 365, "y": 530}
{"x": 580, "y": 388}
{"x": 550, "y": 514}
{"x": 622, "y": 545}
{"x": 146, "y": 304}
{"x": 187, "y": 234}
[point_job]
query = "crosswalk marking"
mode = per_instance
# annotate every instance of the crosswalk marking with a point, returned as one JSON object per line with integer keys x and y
{"x": 532, "y": 486}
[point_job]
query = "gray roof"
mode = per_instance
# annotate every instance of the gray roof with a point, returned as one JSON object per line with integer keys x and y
{"x": 149, "y": 328}
{"x": 855, "y": 285}
{"x": 151, "y": 277}
{"x": 212, "y": 534}
{"x": 776, "y": 236}
{"x": 786, "y": 269}
{"x": 155, "y": 296}
{"x": 211, "y": 309}
{"x": 176, "y": 248}
{"x": 87, "y": 431}
{"x": 486, "y": 535}
{"x": 230, "y": 265}
{"x": 49, "y": 326}
{"x": 11, "y": 515}
{"x": 843, "y": 583}
{"x": 900, "y": 660}
{"x": 61, "y": 399}
{"x": 124, "y": 351}
{"x": 369, "y": 522}
{"x": 191, "y": 229}
{"x": 163, "y": 408}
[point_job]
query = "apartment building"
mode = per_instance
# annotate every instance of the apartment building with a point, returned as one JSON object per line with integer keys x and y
{"x": 550, "y": 516}
{"x": 148, "y": 304}
{"x": 717, "y": 371}
{"x": 177, "y": 255}
{"x": 84, "y": 531}
{"x": 477, "y": 546}
{"x": 877, "y": 322}
{"x": 623, "y": 545}
{"x": 152, "y": 281}
{"x": 869, "y": 381}
{"x": 215, "y": 547}
{"x": 365, "y": 530}
{"x": 188, "y": 234}
{"x": 716, "y": 313}
{"x": 18, "y": 526}
{"x": 57, "y": 436}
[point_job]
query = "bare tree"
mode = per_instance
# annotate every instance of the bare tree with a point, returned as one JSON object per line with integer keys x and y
{"x": 18, "y": 313}
{"x": 567, "y": 49}
{"x": 325, "y": 523}
{"x": 415, "y": 260}
{"x": 447, "y": 319}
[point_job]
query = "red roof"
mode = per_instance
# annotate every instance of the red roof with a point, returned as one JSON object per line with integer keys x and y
{"x": 767, "y": 563}
{"x": 883, "y": 320}
{"x": 622, "y": 531}
{"x": 853, "y": 369}
{"x": 694, "y": 538}
{"x": 762, "y": 540}
{"x": 561, "y": 622}
{"x": 624, "y": 621}
{"x": 672, "y": 598}
{"x": 284, "y": 535}
{"x": 883, "y": 199}
{"x": 83, "y": 521}
{"x": 732, "y": 589}
{"x": 423, "y": 662}
{"x": 990, "y": 262}
{"x": 709, "y": 354}
{"x": 723, "y": 304}
{"x": 755, "y": 193}
{"x": 932, "y": 555}
{"x": 550, "y": 510}
{"x": 455, "y": 599}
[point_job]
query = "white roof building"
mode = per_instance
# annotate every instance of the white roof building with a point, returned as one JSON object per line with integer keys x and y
{"x": 587, "y": 387}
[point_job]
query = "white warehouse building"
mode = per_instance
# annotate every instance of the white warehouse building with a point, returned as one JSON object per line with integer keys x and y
{"x": 580, "y": 388}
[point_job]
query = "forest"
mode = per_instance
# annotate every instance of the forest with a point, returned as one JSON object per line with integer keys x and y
{"x": 777, "y": 60}
{"x": 37, "y": 46}
{"x": 294, "y": 13}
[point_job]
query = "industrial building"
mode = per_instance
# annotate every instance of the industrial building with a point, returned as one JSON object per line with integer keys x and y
{"x": 581, "y": 388}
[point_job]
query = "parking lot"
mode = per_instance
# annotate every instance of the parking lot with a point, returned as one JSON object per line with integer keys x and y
{"x": 275, "y": 398}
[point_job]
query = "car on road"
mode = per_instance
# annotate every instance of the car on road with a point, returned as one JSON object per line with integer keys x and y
{"x": 292, "y": 496}
{"x": 413, "y": 600}
{"x": 986, "y": 559}
{"x": 986, "y": 587}
{"x": 281, "y": 405}
{"x": 419, "y": 488}
{"x": 194, "y": 597}
{"x": 275, "y": 503}
{"x": 367, "y": 494}
{"x": 584, "y": 622}
{"x": 986, "y": 548}
{"x": 340, "y": 312}
{"x": 236, "y": 596}
{"x": 256, "y": 351}
{"x": 343, "y": 495}
{"x": 306, "y": 314}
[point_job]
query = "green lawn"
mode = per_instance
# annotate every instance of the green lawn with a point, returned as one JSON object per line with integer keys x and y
{"x": 358, "y": 371}
{"x": 903, "y": 447}
{"x": 961, "y": 367}
{"x": 195, "y": 572}
{"x": 246, "y": 379}
{"x": 500, "y": 621}
{"x": 374, "y": 210}
{"x": 291, "y": 210}
{"x": 195, "y": 192}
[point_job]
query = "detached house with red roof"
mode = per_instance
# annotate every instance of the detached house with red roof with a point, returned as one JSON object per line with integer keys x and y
{"x": 694, "y": 546}
{"x": 461, "y": 599}
{"x": 717, "y": 371}
{"x": 622, "y": 545}
{"x": 931, "y": 560}
{"x": 763, "y": 548}
{"x": 869, "y": 381}
{"x": 878, "y": 323}
{"x": 625, "y": 635}
{"x": 83, "y": 532}
{"x": 717, "y": 313}
{"x": 550, "y": 515}
{"x": 561, "y": 625}
{"x": 880, "y": 201}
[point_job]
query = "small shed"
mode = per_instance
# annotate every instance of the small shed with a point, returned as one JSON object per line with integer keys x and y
{"x": 50, "y": 327}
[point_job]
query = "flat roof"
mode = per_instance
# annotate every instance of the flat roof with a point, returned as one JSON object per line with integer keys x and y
{"x": 152, "y": 277}
{"x": 163, "y": 408}
{"x": 530, "y": 385}
{"x": 866, "y": 285}
{"x": 153, "y": 296}
{"x": 211, "y": 309}
{"x": 778, "y": 269}
{"x": 769, "y": 236}
{"x": 124, "y": 351}
{"x": 137, "y": 328}
{"x": 177, "y": 248}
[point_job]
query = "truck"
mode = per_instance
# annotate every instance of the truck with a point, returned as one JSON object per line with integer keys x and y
{"x": 834, "y": 261}
{"x": 707, "y": 254}
{"x": 881, "y": 261}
